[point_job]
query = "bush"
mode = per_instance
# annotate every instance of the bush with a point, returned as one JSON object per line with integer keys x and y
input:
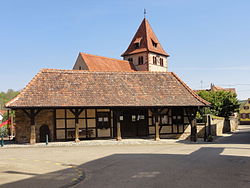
{"x": 223, "y": 103}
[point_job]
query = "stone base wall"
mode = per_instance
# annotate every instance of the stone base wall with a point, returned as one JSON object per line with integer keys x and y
{"x": 22, "y": 124}
{"x": 219, "y": 126}
{"x": 200, "y": 130}
{"x": 182, "y": 136}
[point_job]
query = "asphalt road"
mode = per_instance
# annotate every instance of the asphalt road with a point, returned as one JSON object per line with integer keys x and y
{"x": 225, "y": 163}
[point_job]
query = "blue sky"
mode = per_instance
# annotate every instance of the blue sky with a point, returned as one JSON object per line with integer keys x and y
{"x": 208, "y": 40}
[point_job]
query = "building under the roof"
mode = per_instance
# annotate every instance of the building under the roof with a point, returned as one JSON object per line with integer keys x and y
{"x": 109, "y": 98}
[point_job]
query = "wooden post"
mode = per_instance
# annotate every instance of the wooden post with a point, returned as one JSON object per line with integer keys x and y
{"x": 193, "y": 130}
{"x": 77, "y": 132}
{"x": 32, "y": 114}
{"x": 32, "y": 134}
{"x": 76, "y": 112}
{"x": 205, "y": 130}
{"x": 209, "y": 125}
{"x": 32, "y": 127}
{"x": 118, "y": 131}
{"x": 12, "y": 125}
{"x": 157, "y": 133}
{"x": 8, "y": 117}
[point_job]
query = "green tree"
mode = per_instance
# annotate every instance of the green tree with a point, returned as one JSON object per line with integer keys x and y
{"x": 223, "y": 103}
{"x": 7, "y": 96}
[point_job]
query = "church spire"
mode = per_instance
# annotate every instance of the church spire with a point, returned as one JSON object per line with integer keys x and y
{"x": 144, "y": 40}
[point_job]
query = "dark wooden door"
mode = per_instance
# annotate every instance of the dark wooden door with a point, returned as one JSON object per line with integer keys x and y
{"x": 103, "y": 124}
{"x": 44, "y": 130}
{"x": 103, "y": 120}
{"x": 134, "y": 123}
{"x": 128, "y": 128}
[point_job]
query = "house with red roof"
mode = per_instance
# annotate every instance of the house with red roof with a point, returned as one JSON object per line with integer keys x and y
{"x": 2, "y": 112}
{"x": 109, "y": 98}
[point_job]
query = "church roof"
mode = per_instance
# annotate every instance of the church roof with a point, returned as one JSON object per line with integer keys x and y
{"x": 99, "y": 63}
{"x": 77, "y": 88}
{"x": 145, "y": 40}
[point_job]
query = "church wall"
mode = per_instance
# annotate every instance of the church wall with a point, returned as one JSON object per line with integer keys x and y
{"x": 80, "y": 63}
{"x": 153, "y": 67}
{"x": 135, "y": 57}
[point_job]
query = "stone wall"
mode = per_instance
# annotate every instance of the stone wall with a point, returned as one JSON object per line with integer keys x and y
{"x": 183, "y": 136}
{"x": 22, "y": 124}
{"x": 219, "y": 126}
{"x": 157, "y": 67}
{"x": 144, "y": 66}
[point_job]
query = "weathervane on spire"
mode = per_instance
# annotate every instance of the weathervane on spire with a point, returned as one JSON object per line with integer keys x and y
{"x": 145, "y": 12}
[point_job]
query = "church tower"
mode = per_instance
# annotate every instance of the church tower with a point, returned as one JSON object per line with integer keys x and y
{"x": 145, "y": 51}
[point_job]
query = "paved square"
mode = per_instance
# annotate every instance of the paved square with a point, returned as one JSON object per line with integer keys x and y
{"x": 225, "y": 163}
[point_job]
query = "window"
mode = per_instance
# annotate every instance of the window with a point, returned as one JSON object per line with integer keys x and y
{"x": 133, "y": 118}
{"x": 103, "y": 121}
{"x": 154, "y": 60}
{"x": 137, "y": 42}
{"x": 177, "y": 115}
{"x": 80, "y": 68}
{"x": 154, "y": 43}
{"x": 243, "y": 116}
{"x": 137, "y": 45}
{"x": 140, "y": 60}
{"x": 246, "y": 107}
{"x": 130, "y": 60}
{"x": 161, "y": 62}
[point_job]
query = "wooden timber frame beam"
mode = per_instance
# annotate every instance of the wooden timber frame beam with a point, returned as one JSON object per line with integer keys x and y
{"x": 76, "y": 113}
{"x": 191, "y": 114}
{"x": 156, "y": 113}
{"x": 202, "y": 111}
{"x": 119, "y": 112}
{"x": 32, "y": 113}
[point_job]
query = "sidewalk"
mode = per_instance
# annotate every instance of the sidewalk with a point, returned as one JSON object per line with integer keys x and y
{"x": 98, "y": 143}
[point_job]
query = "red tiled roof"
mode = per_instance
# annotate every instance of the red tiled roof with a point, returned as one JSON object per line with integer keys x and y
{"x": 2, "y": 112}
{"x": 78, "y": 88}
{"x": 217, "y": 88}
{"x": 99, "y": 63}
{"x": 144, "y": 36}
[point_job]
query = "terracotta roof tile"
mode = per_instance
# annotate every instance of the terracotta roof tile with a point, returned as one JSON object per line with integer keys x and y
{"x": 2, "y": 112}
{"x": 77, "y": 88}
{"x": 145, "y": 36}
{"x": 99, "y": 63}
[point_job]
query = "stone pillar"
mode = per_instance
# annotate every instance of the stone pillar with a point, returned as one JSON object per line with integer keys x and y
{"x": 77, "y": 133}
{"x": 32, "y": 134}
{"x": 157, "y": 132}
{"x": 118, "y": 132}
{"x": 193, "y": 136}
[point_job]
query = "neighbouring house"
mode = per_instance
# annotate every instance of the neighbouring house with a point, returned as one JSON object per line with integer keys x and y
{"x": 217, "y": 88}
{"x": 109, "y": 98}
{"x": 245, "y": 113}
{"x": 2, "y": 112}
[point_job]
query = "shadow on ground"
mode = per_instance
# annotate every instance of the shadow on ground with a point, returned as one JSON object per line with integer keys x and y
{"x": 241, "y": 136}
{"x": 205, "y": 167}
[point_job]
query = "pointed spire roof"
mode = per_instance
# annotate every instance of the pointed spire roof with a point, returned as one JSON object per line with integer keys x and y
{"x": 145, "y": 41}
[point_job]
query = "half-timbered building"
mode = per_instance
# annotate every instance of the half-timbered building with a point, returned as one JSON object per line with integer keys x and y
{"x": 109, "y": 98}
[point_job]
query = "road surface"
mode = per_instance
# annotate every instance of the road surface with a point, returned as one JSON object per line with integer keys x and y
{"x": 225, "y": 163}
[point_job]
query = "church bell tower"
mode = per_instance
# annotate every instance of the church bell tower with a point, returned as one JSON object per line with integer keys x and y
{"x": 145, "y": 51}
